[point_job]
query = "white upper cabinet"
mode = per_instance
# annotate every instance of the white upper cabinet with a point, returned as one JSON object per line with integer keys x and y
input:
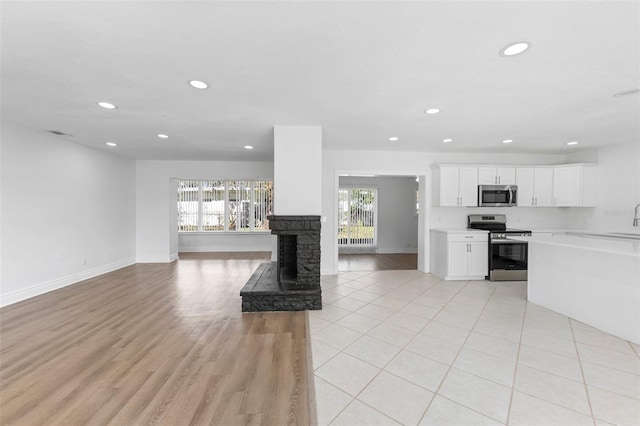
{"x": 535, "y": 186}
{"x": 574, "y": 185}
{"x": 468, "y": 188}
{"x": 566, "y": 185}
{"x": 496, "y": 175}
{"x": 455, "y": 186}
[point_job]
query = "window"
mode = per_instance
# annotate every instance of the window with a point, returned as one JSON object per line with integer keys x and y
{"x": 224, "y": 205}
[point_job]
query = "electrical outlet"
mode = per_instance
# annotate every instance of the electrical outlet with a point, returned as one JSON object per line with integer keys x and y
{"x": 83, "y": 262}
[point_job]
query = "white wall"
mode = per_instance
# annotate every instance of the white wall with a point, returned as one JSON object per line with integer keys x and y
{"x": 156, "y": 195}
{"x": 618, "y": 189}
{"x": 297, "y": 161}
{"x": 62, "y": 203}
{"x": 336, "y": 162}
{"x": 397, "y": 218}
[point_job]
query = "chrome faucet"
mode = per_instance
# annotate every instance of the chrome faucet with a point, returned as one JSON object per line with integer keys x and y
{"x": 635, "y": 215}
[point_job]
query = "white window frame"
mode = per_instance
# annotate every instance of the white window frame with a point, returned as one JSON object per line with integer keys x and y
{"x": 252, "y": 200}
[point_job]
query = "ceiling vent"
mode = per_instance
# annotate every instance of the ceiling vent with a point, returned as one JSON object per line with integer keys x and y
{"x": 58, "y": 133}
{"x": 626, "y": 93}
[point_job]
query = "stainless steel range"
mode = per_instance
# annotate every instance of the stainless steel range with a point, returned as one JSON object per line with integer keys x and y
{"x": 507, "y": 257}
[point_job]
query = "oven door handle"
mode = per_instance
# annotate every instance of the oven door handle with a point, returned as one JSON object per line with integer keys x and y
{"x": 507, "y": 242}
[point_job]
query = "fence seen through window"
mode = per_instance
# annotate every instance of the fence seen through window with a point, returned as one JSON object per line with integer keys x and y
{"x": 224, "y": 205}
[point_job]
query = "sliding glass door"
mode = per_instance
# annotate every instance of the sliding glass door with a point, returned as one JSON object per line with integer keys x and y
{"x": 357, "y": 220}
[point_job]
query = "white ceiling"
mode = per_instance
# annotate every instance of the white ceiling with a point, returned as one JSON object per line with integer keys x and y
{"x": 364, "y": 71}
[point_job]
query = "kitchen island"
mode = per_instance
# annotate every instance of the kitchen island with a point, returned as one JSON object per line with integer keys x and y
{"x": 593, "y": 279}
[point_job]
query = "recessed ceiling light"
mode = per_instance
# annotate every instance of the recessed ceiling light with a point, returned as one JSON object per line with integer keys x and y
{"x": 507, "y": 141}
{"x": 106, "y": 105}
{"x": 447, "y": 140}
{"x": 515, "y": 48}
{"x": 393, "y": 138}
{"x": 248, "y": 147}
{"x": 198, "y": 84}
{"x": 111, "y": 144}
{"x": 163, "y": 136}
{"x": 432, "y": 111}
{"x": 626, "y": 92}
{"x": 573, "y": 143}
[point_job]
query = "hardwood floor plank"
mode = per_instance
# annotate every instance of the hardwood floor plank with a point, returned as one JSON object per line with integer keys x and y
{"x": 162, "y": 344}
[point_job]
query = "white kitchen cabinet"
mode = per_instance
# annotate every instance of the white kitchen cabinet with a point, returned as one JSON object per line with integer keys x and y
{"x": 459, "y": 255}
{"x": 535, "y": 186}
{"x": 455, "y": 186}
{"x": 574, "y": 185}
{"x": 496, "y": 175}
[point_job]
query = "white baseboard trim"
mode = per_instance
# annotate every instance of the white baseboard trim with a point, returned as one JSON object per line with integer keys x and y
{"x": 17, "y": 296}
{"x": 397, "y": 250}
{"x": 215, "y": 249}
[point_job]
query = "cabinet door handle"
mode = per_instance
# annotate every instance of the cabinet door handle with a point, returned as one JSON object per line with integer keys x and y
{"x": 536, "y": 201}
{"x": 498, "y": 179}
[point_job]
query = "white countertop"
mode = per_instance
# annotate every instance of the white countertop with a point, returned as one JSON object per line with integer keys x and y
{"x": 555, "y": 230}
{"x": 460, "y": 231}
{"x": 607, "y": 245}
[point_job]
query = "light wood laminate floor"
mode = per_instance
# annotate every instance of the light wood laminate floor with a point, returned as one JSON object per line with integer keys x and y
{"x": 154, "y": 344}
{"x": 377, "y": 262}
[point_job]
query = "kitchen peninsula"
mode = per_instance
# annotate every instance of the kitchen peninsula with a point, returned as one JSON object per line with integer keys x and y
{"x": 593, "y": 278}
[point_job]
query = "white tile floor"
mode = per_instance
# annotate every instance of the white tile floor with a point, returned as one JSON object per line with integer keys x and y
{"x": 402, "y": 347}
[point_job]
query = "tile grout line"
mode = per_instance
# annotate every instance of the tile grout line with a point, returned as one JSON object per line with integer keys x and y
{"x": 520, "y": 345}
{"x": 354, "y": 398}
{"x": 584, "y": 379}
{"x": 515, "y": 372}
{"x": 436, "y": 393}
{"x": 401, "y": 348}
{"x": 383, "y": 368}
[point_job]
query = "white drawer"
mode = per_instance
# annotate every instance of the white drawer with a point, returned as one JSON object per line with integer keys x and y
{"x": 468, "y": 237}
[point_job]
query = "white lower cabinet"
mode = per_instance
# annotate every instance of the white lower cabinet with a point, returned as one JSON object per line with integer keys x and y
{"x": 459, "y": 255}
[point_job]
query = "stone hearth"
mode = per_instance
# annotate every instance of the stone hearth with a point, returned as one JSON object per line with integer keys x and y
{"x": 292, "y": 282}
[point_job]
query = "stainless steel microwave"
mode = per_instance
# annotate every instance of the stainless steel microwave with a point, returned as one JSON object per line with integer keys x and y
{"x": 497, "y": 195}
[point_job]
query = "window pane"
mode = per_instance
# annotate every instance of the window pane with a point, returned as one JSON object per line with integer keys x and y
{"x": 213, "y": 205}
{"x": 239, "y": 205}
{"x": 263, "y": 204}
{"x": 188, "y": 205}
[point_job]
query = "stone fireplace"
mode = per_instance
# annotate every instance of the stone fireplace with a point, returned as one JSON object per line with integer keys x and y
{"x": 292, "y": 282}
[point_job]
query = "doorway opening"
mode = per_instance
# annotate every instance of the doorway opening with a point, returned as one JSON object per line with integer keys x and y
{"x": 378, "y": 223}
